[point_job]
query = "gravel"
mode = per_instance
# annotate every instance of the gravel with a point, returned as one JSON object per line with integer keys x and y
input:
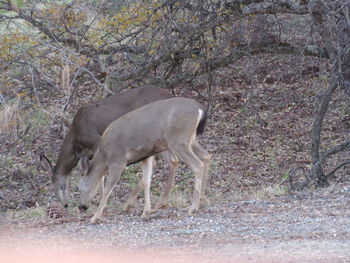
{"x": 311, "y": 226}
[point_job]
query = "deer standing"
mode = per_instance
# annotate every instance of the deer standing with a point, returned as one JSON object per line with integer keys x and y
{"x": 165, "y": 125}
{"x": 87, "y": 127}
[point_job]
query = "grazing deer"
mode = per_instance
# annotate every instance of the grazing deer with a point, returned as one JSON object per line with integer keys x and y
{"x": 88, "y": 125}
{"x": 165, "y": 125}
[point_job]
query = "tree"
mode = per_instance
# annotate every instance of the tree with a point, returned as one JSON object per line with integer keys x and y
{"x": 165, "y": 43}
{"x": 332, "y": 21}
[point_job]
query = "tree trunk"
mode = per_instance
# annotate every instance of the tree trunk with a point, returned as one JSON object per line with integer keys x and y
{"x": 317, "y": 170}
{"x": 335, "y": 38}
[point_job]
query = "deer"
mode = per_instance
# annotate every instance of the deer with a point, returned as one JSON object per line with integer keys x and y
{"x": 82, "y": 139}
{"x": 166, "y": 125}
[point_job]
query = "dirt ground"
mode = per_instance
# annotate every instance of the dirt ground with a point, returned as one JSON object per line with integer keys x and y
{"x": 312, "y": 226}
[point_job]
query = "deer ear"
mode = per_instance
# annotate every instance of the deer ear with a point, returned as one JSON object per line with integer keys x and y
{"x": 45, "y": 163}
{"x": 84, "y": 165}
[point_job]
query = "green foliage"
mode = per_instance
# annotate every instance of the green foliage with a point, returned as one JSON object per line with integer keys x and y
{"x": 132, "y": 175}
{"x": 36, "y": 212}
{"x": 10, "y": 164}
{"x": 269, "y": 192}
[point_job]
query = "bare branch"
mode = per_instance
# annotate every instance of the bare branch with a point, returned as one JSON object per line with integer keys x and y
{"x": 337, "y": 168}
{"x": 339, "y": 148}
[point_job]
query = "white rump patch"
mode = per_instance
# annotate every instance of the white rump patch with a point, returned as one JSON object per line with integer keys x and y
{"x": 200, "y": 115}
{"x": 200, "y": 112}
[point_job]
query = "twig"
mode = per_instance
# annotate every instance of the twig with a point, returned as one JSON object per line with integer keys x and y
{"x": 93, "y": 76}
{"x": 72, "y": 92}
{"x": 36, "y": 94}
{"x": 339, "y": 148}
{"x": 337, "y": 168}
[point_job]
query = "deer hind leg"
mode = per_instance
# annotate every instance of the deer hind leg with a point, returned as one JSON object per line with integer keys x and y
{"x": 187, "y": 155}
{"x": 114, "y": 170}
{"x": 173, "y": 163}
{"x": 205, "y": 157}
{"x": 147, "y": 166}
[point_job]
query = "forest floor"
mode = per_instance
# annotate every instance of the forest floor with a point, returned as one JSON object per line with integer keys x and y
{"x": 313, "y": 226}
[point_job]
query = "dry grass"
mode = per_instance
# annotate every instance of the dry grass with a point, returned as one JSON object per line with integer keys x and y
{"x": 9, "y": 118}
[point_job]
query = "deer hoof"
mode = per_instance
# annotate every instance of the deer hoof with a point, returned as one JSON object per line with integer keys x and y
{"x": 146, "y": 215}
{"x": 204, "y": 201}
{"x": 162, "y": 205}
{"x": 127, "y": 206}
{"x": 95, "y": 220}
{"x": 192, "y": 211}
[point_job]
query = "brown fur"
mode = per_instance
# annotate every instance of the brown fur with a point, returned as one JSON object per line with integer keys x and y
{"x": 88, "y": 125}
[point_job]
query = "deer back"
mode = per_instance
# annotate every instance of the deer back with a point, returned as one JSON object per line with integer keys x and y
{"x": 149, "y": 129}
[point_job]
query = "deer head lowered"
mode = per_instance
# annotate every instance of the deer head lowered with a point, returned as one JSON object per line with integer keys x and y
{"x": 88, "y": 125}
{"x": 165, "y": 125}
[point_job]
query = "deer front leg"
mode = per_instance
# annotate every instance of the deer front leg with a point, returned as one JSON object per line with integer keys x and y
{"x": 114, "y": 174}
{"x": 130, "y": 203}
{"x": 102, "y": 185}
{"x": 147, "y": 166}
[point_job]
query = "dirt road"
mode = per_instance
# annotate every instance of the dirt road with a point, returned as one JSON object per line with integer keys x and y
{"x": 305, "y": 227}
